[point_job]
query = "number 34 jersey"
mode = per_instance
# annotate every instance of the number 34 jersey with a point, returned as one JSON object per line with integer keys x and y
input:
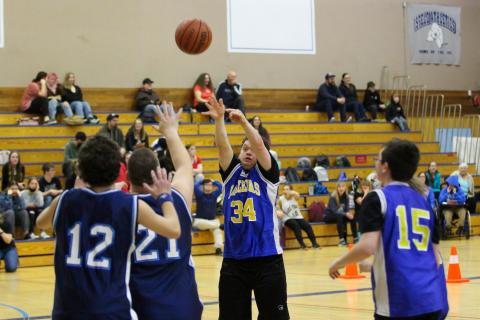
{"x": 251, "y": 226}
{"x": 95, "y": 235}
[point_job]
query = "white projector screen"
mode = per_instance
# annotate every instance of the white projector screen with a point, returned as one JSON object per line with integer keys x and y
{"x": 271, "y": 26}
{"x": 2, "y": 41}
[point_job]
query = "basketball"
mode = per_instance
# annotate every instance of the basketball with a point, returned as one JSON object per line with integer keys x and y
{"x": 193, "y": 36}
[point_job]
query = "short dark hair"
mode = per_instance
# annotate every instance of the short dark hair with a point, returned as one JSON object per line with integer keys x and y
{"x": 99, "y": 161}
{"x": 80, "y": 135}
{"x": 343, "y": 75}
{"x": 402, "y": 157}
{"x": 370, "y": 84}
{"x": 205, "y": 181}
{"x": 40, "y": 75}
{"x": 140, "y": 165}
{"x": 265, "y": 142}
{"x": 47, "y": 166}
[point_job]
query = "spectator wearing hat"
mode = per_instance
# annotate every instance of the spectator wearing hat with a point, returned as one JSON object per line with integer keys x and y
{"x": 112, "y": 131}
{"x": 330, "y": 98}
{"x": 147, "y": 101}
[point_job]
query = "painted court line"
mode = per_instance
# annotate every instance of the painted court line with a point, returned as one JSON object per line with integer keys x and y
{"x": 209, "y": 303}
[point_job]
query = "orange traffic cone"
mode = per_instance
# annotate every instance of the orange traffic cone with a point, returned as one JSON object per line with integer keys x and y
{"x": 454, "y": 274}
{"x": 351, "y": 270}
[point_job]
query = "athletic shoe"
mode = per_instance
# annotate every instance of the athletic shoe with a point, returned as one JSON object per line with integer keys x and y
{"x": 93, "y": 120}
{"x": 350, "y": 119}
{"x": 332, "y": 119}
{"x": 316, "y": 246}
{"x": 218, "y": 252}
{"x": 44, "y": 235}
{"x": 342, "y": 243}
{"x": 32, "y": 236}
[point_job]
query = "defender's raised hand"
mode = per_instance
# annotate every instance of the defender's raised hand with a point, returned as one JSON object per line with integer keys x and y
{"x": 236, "y": 116}
{"x": 216, "y": 109}
{"x": 168, "y": 118}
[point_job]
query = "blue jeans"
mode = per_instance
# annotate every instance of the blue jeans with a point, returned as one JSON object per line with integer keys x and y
{"x": 82, "y": 109}
{"x": 47, "y": 200}
{"x": 401, "y": 123}
{"x": 53, "y": 105}
{"x": 357, "y": 108}
{"x": 10, "y": 256}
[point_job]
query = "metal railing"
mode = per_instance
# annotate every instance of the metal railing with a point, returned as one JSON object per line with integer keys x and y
{"x": 415, "y": 106}
{"x": 431, "y": 116}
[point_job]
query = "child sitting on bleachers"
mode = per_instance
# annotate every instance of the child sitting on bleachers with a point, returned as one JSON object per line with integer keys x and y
{"x": 33, "y": 199}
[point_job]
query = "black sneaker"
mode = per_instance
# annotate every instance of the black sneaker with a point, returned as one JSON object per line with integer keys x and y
{"x": 316, "y": 246}
{"x": 218, "y": 252}
{"x": 459, "y": 231}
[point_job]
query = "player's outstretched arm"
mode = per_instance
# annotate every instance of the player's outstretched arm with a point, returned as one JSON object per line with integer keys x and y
{"x": 168, "y": 126}
{"x": 216, "y": 110}
{"x": 366, "y": 247}
{"x": 166, "y": 225}
{"x": 45, "y": 219}
{"x": 256, "y": 141}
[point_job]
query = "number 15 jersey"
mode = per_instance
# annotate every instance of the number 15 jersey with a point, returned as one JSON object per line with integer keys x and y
{"x": 251, "y": 226}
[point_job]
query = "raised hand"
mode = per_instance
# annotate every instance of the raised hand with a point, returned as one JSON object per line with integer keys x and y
{"x": 216, "y": 109}
{"x": 168, "y": 118}
{"x": 236, "y": 116}
{"x": 161, "y": 183}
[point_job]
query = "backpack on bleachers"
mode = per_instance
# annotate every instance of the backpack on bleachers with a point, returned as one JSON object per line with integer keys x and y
{"x": 342, "y": 162}
{"x": 320, "y": 189}
{"x": 321, "y": 161}
{"x": 303, "y": 163}
{"x": 309, "y": 175}
{"x": 322, "y": 174}
{"x": 315, "y": 211}
{"x": 4, "y": 154}
{"x": 291, "y": 175}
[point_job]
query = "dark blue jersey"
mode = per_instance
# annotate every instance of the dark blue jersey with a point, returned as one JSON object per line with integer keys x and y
{"x": 95, "y": 239}
{"x": 163, "y": 275}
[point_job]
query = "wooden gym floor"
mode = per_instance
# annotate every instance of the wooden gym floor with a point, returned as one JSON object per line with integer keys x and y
{"x": 28, "y": 293}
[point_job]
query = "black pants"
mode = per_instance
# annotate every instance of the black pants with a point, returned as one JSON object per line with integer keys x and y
{"x": 373, "y": 109}
{"x": 426, "y": 316}
{"x": 471, "y": 204}
{"x": 39, "y": 105}
{"x": 329, "y": 105}
{"x": 297, "y": 225}
{"x": 342, "y": 222}
{"x": 265, "y": 276}
{"x": 357, "y": 109}
{"x": 201, "y": 107}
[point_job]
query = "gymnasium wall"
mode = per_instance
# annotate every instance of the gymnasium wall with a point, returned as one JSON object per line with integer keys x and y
{"x": 116, "y": 43}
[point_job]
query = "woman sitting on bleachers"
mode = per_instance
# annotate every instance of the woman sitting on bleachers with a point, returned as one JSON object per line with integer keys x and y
{"x": 340, "y": 209}
{"x": 257, "y": 124}
{"x": 33, "y": 198}
{"x": 34, "y": 99}
{"x": 54, "y": 96}
{"x": 74, "y": 96}
{"x": 136, "y": 136}
{"x": 202, "y": 92}
{"x": 289, "y": 213}
{"x": 13, "y": 171}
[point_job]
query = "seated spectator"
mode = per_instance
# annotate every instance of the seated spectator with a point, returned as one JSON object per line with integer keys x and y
{"x": 33, "y": 199}
{"x": 453, "y": 200}
{"x": 112, "y": 131}
{"x": 202, "y": 92}
{"x": 340, "y": 210}
{"x": 364, "y": 187}
{"x": 8, "y": 251}
{"x": 429, "y": 195}
{"x": 136, "y": 137}
{"x": 465, "y": 180}
{"x": 147, "y": 101}
{"x": 13, "y": 171}
{"x": 434, "y": 179}
{"x": 289, "y": 213}
{"x": 231, "y": 93}
{"x": 70, "y": 152}
{"x": 372, "y": 101}
{"x": 349, "y": 91}
{"x": 7, "y": 215}
{"x": 34, "y": 99}
{"x": 330, "y": 98}
{"x": 49, "y": 185}
{"x": 257, "y": 124}
{"x": 206, "y": 194}
{"x": 74, "y": 96}
{"x": 196, "y": 162}
{"x": 19, "y": 210}
{"x": 122, "y": 182}
{"x": 54, "y": 96}
{"x": 70, "y": 181}
{"x": 395, "y": 115}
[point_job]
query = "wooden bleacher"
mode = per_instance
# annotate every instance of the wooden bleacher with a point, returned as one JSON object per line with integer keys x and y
{"x": 293, "y": 134}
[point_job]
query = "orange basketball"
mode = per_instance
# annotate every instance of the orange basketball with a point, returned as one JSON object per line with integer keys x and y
{"x": 193, "y": 36}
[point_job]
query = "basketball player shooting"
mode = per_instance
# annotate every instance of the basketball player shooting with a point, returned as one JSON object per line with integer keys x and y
{"x": 252, "y": 255}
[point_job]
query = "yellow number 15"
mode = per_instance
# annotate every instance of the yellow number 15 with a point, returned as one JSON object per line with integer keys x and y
{"x": 417, "y": 228}
{"x": 243, "y": 210}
